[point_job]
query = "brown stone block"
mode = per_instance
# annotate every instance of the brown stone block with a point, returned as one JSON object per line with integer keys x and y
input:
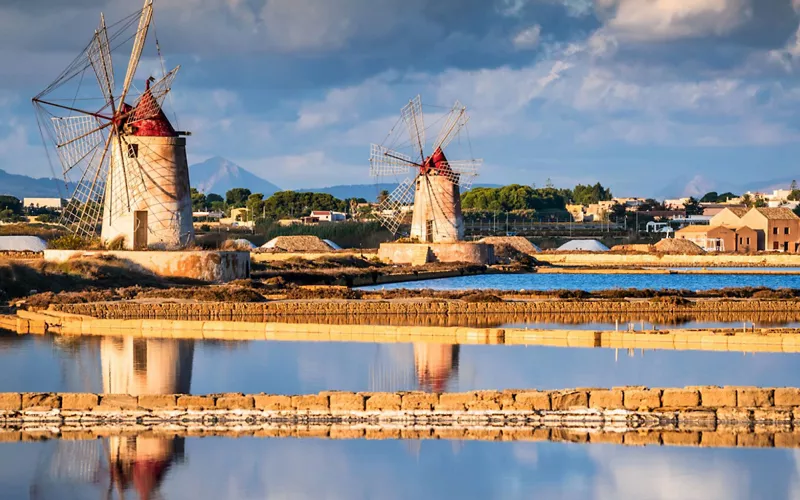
{"x": 382, "y": 433}
{"x": 10, "y": 401}
{"x": 606, "y": 437}
{"x": 483, "y": 405}
{"x": 455, "y": 401}
{"x": 568, "y": 400}
{"x": 235, "y": 401}
{"x": 118, "y": 402}
{"x": 606, "y": 399}
{"x": 346, "y": 401}
{"x": 450, "y": 432}
{"x": 419, "y": 401}
{"x": 532, "y": 400}
{"x": 787, "y": 396}
{"x": 78, "y": 435}
{"x": 643, "y": 438}
{"x": 10, "y": 436}
{"x": 680, "y": 398}
{"x": 754, "y": 440}
{"x": 383, "y": 401}
{"x": 272, "y": 403}
{"x": 78, "y": 401}
{"x": 772, "y": 415}
{"x": 568, "y": 435}
{"x": 346, "y": 432}
{"x": 40, "y": 401}
{"x": 642, "y": 399}
{"x": 787, "y": 439}
{"x": 680, "y": 438}
{"x": 317, "y": 431}
{"x": 753, "y": 397}
{"x": 484, "y": 434}
{"x": 717, "y": 397}
{"x": 157, "y": 401}
{"x": 268, "y": 432}
{"x": 310, "y": 402}
{"x": 196, "y": 402}
{"x": 718, "y": 439}
{"x": 416, "y": 433}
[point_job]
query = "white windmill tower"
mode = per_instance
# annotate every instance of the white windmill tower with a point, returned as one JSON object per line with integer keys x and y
{"x": 126, "y": 161}
{"x": 434, "y": 190}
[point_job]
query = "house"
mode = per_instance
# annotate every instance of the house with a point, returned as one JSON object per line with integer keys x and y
{"x": 53, "y": 203}
{"x": 729, "y": 216}
{"x": 778, "y": 229}
{"x": 240, "y": 217}
{"x": 719, "y": 238}
{"x": 712, "y": 209}
{"x": 578, "y": 213}
{"x": 676, "y": 204}
{"x": 328, "y": 216}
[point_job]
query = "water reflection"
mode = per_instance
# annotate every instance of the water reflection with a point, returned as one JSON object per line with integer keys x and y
{"x": 435, "y": 364}
{"x": 138, "y": 366}
{"x": 222, "y": 468}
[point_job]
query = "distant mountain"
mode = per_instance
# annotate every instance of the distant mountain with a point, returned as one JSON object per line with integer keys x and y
{"x": 369, "y": 192}
{"x": 22, "y": 186}
{"x": 218, "y": 175}
{"x": 769, "y": 185}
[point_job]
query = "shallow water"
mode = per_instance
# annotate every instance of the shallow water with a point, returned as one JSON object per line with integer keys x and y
{"x": 591, "y": 282}
{"x": 244, "y": 468}
{"x": 38, "y": 364}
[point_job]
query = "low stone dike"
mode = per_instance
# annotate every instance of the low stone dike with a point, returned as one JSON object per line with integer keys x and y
{"x": 740, "y": 340}
{"x": 694, "y": 416}
{"x": 606, "y": 259}
{"x": 312, "y": 308}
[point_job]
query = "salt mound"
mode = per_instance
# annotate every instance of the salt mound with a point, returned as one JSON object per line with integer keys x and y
{"x": 583, "y": 246}
{"x": 240, "y": 244}
{"x": 298, "y": 244}
{"x": 679, "y": 246}
{"x": 332, "y": 245}
{"x": 22, "y": 244}
{"x": 519, "y": 243}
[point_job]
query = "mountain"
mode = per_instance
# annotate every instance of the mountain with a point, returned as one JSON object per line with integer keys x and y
{"x": 218, "y": 175}
{"x": 369, "y": 192}
{"x": 22, "y": 186}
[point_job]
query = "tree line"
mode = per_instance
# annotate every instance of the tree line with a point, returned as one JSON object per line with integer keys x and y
{"x": 519, "y": 197}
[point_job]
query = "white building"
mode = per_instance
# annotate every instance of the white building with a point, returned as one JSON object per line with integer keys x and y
{"x": 328, "y": 216}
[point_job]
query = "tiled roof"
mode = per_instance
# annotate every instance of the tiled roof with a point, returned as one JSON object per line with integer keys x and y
{"x": 777, "y": 213}
{"x": 739, "y": 211}
{"x": 697, "y": 228}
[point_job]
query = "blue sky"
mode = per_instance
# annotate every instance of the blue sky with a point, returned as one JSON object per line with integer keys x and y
{"x": 651, "y": 97}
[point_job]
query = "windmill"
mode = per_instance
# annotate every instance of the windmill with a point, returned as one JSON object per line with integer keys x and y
{"x": 434, "y": 188}
{"x": 126, "y": 160}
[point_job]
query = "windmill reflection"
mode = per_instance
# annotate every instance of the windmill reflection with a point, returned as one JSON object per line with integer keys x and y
{"x": 138, "y": 367}
{"x": 435, "y": 365}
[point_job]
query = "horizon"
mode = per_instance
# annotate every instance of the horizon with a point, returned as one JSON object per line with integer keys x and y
{"x": 649, "y": 100}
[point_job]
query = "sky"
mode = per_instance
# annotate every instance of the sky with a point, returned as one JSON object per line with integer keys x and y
{"x": 649, "y": 97}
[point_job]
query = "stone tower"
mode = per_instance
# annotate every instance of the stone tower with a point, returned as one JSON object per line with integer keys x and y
{"x": 437, "y": 214}
{"x": 150, "y": 204}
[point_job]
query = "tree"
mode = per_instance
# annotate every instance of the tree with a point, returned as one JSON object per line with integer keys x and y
{"x": 255, "y": 203}
{"x": 237, "y": 197}
{"x": 692, "y": 207}
{"x": 10, "y": 203}
{"x": 794, "y": 195}
{"x": 199, "y": 202}
{"x": 212, "y": 197}
{"x": 710, "y": 197}
{"x": 383, "y": 196}
{"x": 797, "y": 210}
{"x": 793, "y": 186}
{"x": 587, "y": 195}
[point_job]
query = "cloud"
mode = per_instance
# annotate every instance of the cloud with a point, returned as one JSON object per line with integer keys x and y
{"x": 311, "y": 169}
{"x": 658, "y": 20}
{"x": 528, "y": 38}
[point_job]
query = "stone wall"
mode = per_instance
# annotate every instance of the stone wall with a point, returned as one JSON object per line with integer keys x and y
{"x": 420, "y": 253}
{"x": 210, "y": 266}
{"x": 710, "y": 416}
{"x": 711, "y": 260}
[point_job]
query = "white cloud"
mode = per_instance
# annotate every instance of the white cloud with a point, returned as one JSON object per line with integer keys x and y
{"x": 656, "y": 20}
{"x": 528, "y": 38}
{"x": 343, "y": 104}
{"x": 312, "y": 169}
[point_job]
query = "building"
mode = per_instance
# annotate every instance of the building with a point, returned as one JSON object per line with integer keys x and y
{"x": 578, "y": 213}
{"x": 240, "y": 217}
{"x": 328, "y": 216}
{"x": 630, "y": 204}
{"x": 712, "y": 209}
{"x": 52, "y": 203}
{"x": 778, "y": 229}
{"x": 720, "y": 238}
{"x": 676, "y": 204}
{"x": 729, "y": 216}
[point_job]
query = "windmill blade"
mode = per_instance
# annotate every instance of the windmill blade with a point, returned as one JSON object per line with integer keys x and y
{"x": 460, "y": 172}
{"x": 385, "y": 162}
{"x": 465, "y": 167}
{"x": 138, "y": 47}
{"x": 392, "y": 210}
{"x": 84, "y": 211}
{"x": 149, "y": 104}
{"x": 455, "y": 121}
{"x": 76, "y": 137}
{"x": 99, "y": 55}
{"x": 412, "y": 116}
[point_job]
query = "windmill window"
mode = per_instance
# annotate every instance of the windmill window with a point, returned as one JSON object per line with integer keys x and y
{"x": 133, "y": 150}
{"x": 786, "y": 230}
{"x": 139, "y": 356}
{"x": 774, "y": 230}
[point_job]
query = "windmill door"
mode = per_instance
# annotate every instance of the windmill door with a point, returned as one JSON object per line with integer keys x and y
{"x": 140, "y": 230}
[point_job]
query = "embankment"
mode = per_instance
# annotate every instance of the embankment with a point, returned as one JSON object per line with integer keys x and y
{"x": 662, "y": 260}
{"x": 691, "y": 416}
